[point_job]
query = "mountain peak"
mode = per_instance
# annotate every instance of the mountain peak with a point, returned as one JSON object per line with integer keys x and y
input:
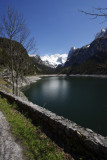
{"x": 102, "y": 33}
{"x": 72, "y": 50}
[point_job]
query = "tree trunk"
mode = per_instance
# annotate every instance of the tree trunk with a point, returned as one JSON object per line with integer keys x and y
{"x": 12, "y": 68}
{"x": 17, "y": 81}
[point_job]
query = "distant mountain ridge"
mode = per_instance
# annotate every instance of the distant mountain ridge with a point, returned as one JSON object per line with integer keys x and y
{"x": 79, "y": 55}
{"x": 37, "y": 59}
{"x": 41, "y": 66}
{"x": 55, "y": 59}
{"x": 89, "y": 59}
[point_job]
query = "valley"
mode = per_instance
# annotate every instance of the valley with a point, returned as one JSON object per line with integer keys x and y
{"x": 53, "y": 80}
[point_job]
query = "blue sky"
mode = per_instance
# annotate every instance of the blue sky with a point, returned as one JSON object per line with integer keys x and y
{"x": 57, "y": 25}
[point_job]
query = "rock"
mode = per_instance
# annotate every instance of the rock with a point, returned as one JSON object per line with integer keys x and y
{"x": 82, "y": 54}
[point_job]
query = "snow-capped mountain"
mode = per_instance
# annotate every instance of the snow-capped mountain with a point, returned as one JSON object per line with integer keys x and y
{"x": 102, "y": 33}
{"x": 55, "y": 59}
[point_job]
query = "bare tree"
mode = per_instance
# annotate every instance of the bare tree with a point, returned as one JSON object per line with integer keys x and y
{"x": 27, "y": 44}
{"x": 11, "y": 25}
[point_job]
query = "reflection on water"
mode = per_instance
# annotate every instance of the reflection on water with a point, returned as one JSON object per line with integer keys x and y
{"x": 54, "y": 88}
{"x": 83, "y": 100}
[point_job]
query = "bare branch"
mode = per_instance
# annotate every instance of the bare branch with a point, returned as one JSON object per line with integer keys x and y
{"x": 95, "y": 14}
{"x": 1, "y": 31}
{"x": 12, "y": 23}
{"x": 23, "y": 36}
{"x": 30, "y": 45}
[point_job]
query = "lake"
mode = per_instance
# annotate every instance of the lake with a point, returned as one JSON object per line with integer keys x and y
{"x": 80, "y": 99}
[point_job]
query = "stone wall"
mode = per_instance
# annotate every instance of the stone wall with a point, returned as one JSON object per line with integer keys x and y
{"x": 75, "y": 139}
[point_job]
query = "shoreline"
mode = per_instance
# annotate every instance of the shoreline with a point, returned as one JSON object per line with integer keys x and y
{"x": 34, "y": 79}
{"x": 28, "y": 80}
{"x": 88, "y": 75}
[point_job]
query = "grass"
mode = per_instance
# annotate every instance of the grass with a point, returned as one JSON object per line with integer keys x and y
{"x": 5, "y": 89}
{"x": 35, "y": 143}
{"x": 3, "y": 84}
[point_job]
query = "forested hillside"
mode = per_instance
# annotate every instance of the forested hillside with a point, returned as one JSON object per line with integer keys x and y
{"x": 97, "y": 64}
{"x": 20, "y": 57}
{"x": 26, "y": 65}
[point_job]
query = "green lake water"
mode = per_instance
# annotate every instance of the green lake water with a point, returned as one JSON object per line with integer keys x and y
{"x": 80, "y": 99}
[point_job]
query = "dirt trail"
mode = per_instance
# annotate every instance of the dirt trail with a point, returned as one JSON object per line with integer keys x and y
{"x": 9, "y": 149}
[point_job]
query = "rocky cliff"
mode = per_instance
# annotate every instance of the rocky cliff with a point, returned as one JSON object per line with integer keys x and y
{"x": 80, "y": 55}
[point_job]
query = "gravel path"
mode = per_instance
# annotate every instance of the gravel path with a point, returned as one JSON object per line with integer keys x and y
{"x": 9, "y": 149}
